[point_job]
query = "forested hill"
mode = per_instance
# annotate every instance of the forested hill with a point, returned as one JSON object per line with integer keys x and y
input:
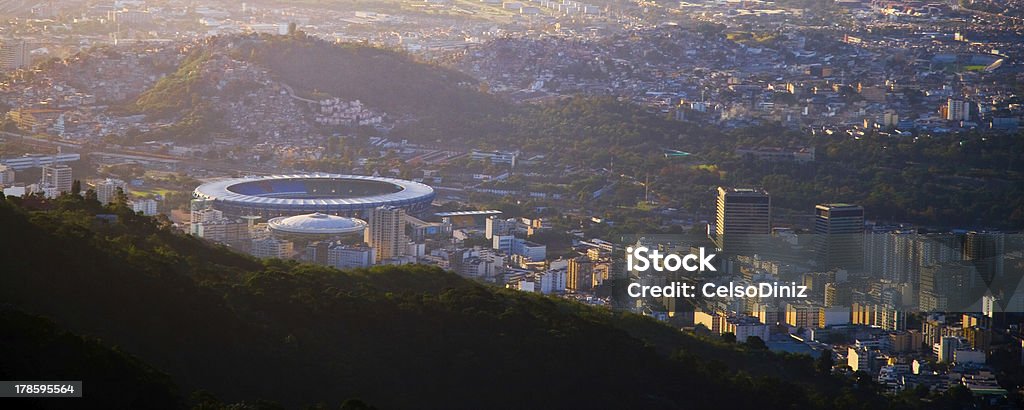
{"x": 395, "y": 337}
{"x": 385, "y": 79}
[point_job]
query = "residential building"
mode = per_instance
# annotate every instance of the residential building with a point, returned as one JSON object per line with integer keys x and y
{"x": 386, "y": 232}
{"x": 58, "y": 176}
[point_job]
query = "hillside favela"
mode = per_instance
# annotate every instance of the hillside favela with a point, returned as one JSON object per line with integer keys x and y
{"x": 511, "y": 204}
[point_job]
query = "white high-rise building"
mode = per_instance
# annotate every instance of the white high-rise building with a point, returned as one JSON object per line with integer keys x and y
{"x": 552, "y": 281}
{"x": 957, "y": 110}
{"x": 6, "y": 176}
{"x": 58, "y": 176}
{"x": 106, "y": 190}
{"x": 14, "y": 54}
{"x": 386, "y": 232}
{"x": 146, "y": 206}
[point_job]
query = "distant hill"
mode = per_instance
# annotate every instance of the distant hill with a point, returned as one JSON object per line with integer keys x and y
{"x": 193, "y": 96}
{"x": 384, "y": 79}
{"x": 395, "y": 337}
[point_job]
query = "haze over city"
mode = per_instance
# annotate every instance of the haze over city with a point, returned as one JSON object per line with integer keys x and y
{"x": 377, "y": 204}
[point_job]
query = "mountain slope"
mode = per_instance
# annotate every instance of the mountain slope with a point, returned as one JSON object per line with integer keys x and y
{"x": 35, "y": 349}
{"x": 395, "y": 337}
{"x": 384, "y": 79}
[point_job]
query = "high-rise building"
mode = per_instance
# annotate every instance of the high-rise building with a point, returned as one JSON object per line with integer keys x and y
{"x": 14, "y": 54}
{"x": 947, "y": 347}
{"x": 494, "y": 226}
{"x": 386, "y": 232}
{"x": 148, "y": 207}
{"x": 859, "y": 359}
{"x": 580, "y": 274}
{"x": 839, "y": 236}
{"x": 106, "y": 190}
{"x": 743, "y": 220}
{"x": 985, "y": 251}
{"x": 890, "y": 119}
{"x": 6, "y": 176}
{"x": 958, "y": 110}
{"x": 58, "y": 176}
{"x": 943, "y": 286}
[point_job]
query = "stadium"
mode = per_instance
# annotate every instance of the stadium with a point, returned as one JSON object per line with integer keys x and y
{"x": 332, "y": 194}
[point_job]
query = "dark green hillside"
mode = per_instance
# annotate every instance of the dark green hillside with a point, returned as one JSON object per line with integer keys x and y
{"x": 35, "y": 349}
{"x": 383, "y": 79}
{"x": 395, "y": 337}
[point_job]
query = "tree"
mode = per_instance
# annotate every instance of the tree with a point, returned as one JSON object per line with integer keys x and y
{"x": 356, "y": 404}
{"x": 825, "y": 362}
{"x": 729, "y": 337}
{"x": 292, "y": 28}
{"x": 90, "y": 196}
{"x": 756, "y": 343}
{"x": 76, "y": 187}
{"x": 120, "y": 198}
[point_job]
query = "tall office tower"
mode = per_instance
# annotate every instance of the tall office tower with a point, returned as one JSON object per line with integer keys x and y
{"x": 14, "y": 54}
{"x": 839, "y": 236}
{"x": 386, "y": 232}
{"x": 744, "y": 220}
{"x": 985, "y": 250}
{"x": 106, "y": 190}
{"x": 57, "y": 176}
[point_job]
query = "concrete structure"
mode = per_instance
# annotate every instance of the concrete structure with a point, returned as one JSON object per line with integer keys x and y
{"x": 580, "y": 274}
{"x": 14, "y": 54}
{"x": 315, "y": 226}
{"x": 350, "y": 256}
{"x": 58, "y": 176}
{"x": 745, "y": 327}
{"x": 958, "y": 110}
{"x": 742, "y": 220}
{"x": 386, "y": 233}
{"x": 36, "y": 161}
{"x": 271, "y": 247}
{"x": 946, "y": 348}
{"x": 333, "y": 194}
{"x": 106, "y": 190}
{"x": 839, "y": 236}
{"x": 985, "y": 251}
{"x": 148, "y": 207}
{"x": 859, "y": 359}
{"x": 6, "y": 176}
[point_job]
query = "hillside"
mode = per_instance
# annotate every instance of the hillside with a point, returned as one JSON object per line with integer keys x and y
{"x": 395, "y": 337}
{"x": 259, "y": 86}
{"x": 385, "y": 79}
{"x": 35, "y": 349}
{"x": 896, "y": 179}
